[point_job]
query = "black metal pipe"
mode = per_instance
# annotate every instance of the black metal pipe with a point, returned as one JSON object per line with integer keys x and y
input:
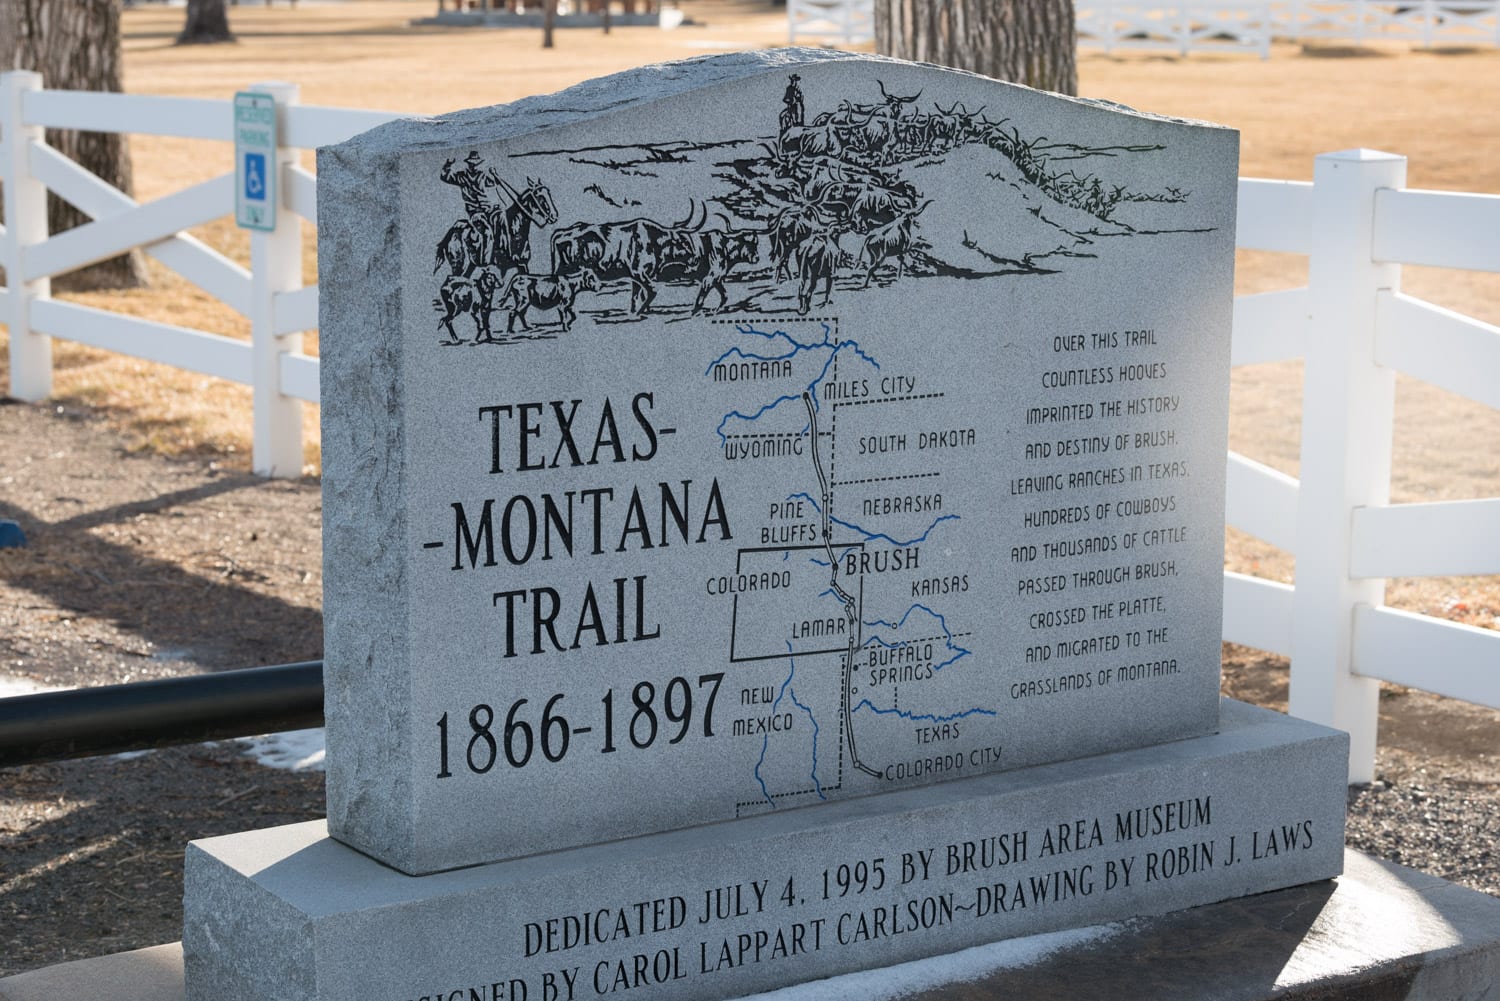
{"x": 110, "y": 719}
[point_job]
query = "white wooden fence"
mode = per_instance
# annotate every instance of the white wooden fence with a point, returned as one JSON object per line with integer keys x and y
{"x": 831, "y": 22}
{"x": 1354, "y": 328}
{"x": 1356, "y": 221}
{"x": 269, "y": 294}
{"x": 1249, "y": 25}
{"x": 1209, "y": 25}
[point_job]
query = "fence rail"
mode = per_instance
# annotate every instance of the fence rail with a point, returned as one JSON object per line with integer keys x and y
{"x": 110, "y": 719}
{"x": 1352, "y": 325}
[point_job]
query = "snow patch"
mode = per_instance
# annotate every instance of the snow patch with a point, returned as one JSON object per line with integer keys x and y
{"x": 12, "y": 685}
{"x": 294, "y": 751}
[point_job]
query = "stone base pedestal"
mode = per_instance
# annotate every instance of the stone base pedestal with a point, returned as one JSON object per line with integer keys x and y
{"x": 1378, "y": 931}
{"x": 729, "y": 909}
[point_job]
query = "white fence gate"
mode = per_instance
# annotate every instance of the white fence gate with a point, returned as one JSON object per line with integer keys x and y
{"x": 1356, "y": 222}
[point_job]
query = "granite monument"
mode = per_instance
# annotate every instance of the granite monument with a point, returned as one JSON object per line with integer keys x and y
{"x": 803, "y": 434}
{"x": 773, "y": 526}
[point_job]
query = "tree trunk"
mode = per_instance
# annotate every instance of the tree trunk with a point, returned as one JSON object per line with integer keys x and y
{"x": 207, "y": 22}
{"x": 75, "y": 45}
{"x": 1024, "y": 41}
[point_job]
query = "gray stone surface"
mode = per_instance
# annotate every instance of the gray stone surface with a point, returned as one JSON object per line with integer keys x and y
{"x": 727, "y": 909}
{"x": 982, "y": 520}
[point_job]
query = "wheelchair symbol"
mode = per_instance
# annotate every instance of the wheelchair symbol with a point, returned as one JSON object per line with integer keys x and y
{"x": 255, "y": 176}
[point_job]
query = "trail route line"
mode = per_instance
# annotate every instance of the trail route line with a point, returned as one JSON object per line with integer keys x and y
{"x": 853, "y": 662}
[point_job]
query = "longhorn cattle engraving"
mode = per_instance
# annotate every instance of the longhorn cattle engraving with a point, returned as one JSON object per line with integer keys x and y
{"x": 825, "y": 193}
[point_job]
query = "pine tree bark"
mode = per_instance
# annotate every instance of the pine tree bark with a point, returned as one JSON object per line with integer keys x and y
{"x": 75, "y": 45}
{"x": 207, "y": 22}
{"x": 1032, "y": 42}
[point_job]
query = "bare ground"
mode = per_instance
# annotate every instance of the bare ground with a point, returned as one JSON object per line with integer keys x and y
{"x": 142, "y": 566}
{"x": 137, "y": 567}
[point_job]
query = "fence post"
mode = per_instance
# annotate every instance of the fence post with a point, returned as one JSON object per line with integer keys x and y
{"x": 1348, "y": 404}
{"x": 25, "y": 225}
{"x": 275, "y": 266}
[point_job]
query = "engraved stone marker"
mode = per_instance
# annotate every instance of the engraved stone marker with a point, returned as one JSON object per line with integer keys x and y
{"x": 765, "y": 436}
{"x": 781, "y": 495}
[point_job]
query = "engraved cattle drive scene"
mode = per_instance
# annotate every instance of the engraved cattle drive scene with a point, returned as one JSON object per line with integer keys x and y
{"x": 833, "y": 204}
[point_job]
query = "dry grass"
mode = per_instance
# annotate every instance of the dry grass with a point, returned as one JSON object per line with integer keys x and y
{"x": 1303, "y": 101}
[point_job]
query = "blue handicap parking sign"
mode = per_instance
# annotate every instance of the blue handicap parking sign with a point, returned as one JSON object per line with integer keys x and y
{"x": 255, "y": 176}
{"x": 256, "y": 188}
